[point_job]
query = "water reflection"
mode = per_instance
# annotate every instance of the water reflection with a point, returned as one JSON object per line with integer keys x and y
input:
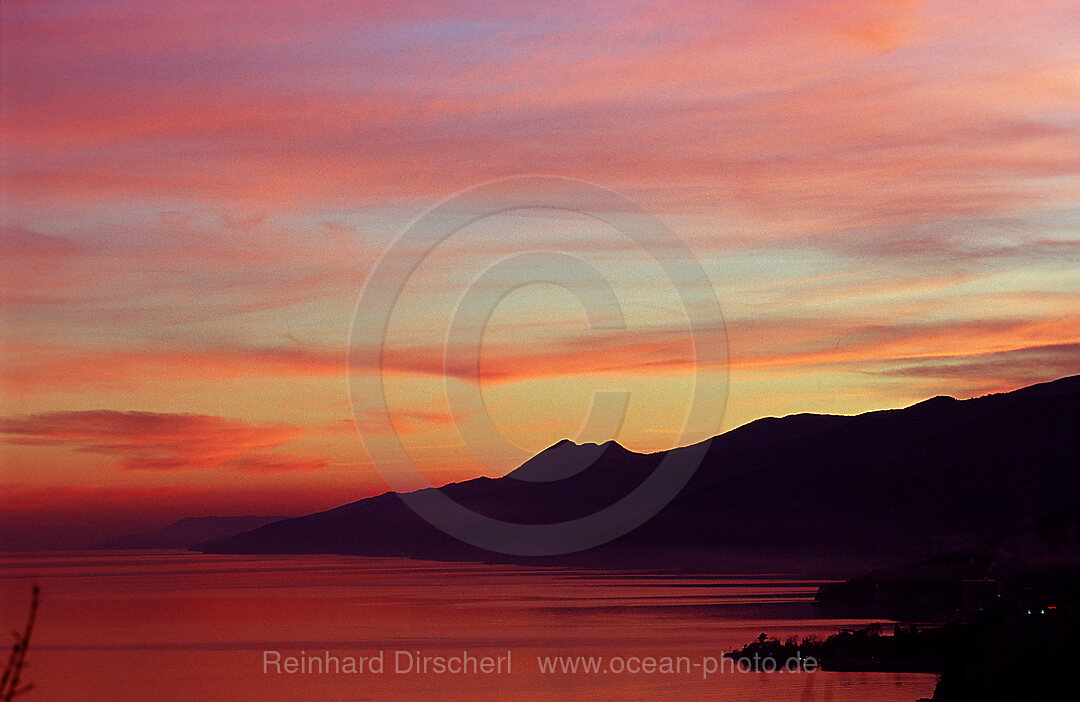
{"x": 179, "y": 626}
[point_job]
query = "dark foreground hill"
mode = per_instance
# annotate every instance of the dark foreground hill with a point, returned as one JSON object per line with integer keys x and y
{"x": 814, "y": 493}
{"x": 1033, "y": 568}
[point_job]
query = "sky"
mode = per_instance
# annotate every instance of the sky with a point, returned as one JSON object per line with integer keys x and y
{"x": 883, "y": 197}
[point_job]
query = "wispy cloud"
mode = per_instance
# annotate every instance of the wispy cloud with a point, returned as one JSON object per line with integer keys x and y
{"x": 159, "y": 441}
{"x": 799, "y": 108}
{"x": 798, "y": 344}
{"x": 994, "y": 372}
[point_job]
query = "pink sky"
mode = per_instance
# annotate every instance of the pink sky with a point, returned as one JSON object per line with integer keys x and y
{"x": 884, "y": 196}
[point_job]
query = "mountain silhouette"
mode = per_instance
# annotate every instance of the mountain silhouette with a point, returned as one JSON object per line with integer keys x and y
{"x": 813, "y": 493}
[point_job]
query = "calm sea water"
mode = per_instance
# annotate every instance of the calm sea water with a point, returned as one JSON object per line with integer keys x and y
{"x": 178, "y": 626}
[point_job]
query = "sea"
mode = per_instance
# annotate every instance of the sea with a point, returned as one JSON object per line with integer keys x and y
{"x": 174, "y": 625}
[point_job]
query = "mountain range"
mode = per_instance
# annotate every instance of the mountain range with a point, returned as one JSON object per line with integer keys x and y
{"x": 807, "y": 493}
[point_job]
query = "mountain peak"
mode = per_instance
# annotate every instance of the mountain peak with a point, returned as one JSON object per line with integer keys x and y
{"x": 587, "y": 444}
{"x": 562, "y": 460}
{"x": 936, "y": 401}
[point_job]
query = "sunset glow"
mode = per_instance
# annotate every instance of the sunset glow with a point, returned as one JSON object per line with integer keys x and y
{"x": 884, "y": 196}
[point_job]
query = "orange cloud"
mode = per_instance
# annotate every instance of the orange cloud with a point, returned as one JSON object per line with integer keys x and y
{"x": 883, "y": 25}
{"x": 792, "y": 343}
{"x": 156, "y": 441}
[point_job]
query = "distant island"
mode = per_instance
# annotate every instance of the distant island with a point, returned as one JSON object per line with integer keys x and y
{"x": 188, "y": 532}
